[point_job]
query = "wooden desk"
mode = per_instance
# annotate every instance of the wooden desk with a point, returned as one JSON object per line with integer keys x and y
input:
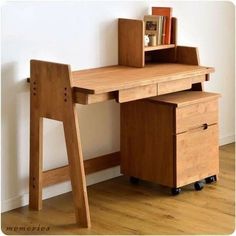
{"x": 125, "y": 83}
{"x": 54, "y": 92}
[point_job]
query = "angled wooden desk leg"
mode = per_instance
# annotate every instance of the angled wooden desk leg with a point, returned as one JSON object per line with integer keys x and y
{"x": 51, "y": 97}
{"x": 35, "y": 187}
{"x": 76, "y": 165}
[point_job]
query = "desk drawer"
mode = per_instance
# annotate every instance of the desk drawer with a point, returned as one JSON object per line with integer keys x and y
{"x": 131, "y": 94}
{"x": 197, "y": 155}
{"x": 179, "y": 85}
{"x": 196, "y": 115}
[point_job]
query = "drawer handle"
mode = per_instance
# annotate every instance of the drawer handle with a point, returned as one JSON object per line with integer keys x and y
{"x": 198, "y": 128}
{"x": 205, "y": 126}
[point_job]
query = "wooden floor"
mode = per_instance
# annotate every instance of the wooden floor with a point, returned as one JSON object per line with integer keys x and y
{"x": 118, "y": 207}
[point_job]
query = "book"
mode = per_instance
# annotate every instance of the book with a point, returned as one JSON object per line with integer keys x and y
{"x": 167, "y": 12}
{"x": 159, "y": 39}
{"x": 163, "y": 30}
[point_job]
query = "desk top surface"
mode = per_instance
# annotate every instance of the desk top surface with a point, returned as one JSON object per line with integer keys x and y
{"x": 114, "y": 78}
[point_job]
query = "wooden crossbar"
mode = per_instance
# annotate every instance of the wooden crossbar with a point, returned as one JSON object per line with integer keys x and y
{"x": 62, "y": 174}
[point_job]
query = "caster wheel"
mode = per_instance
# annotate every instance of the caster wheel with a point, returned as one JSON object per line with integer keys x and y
{"x": 175, "y": 191}
{"x": 198, "y": 185}
{"x": 134, "y": 180}
{"x": 211, "y": 179}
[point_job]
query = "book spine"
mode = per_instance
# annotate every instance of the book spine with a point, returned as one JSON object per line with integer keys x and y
{"x": 160, "y": 23}
{"x": 163, "y": 30}
{"x": 164, "y": 11}
{"x": 168, "y": 30}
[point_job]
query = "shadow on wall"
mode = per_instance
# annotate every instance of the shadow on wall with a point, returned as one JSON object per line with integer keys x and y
{"x": 15, "y": 132}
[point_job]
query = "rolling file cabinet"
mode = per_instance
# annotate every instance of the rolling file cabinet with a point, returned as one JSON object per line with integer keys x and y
{"x": 171, "y": 139}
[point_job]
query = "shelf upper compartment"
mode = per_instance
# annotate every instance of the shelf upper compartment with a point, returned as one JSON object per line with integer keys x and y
{"x": 131, "y": 50}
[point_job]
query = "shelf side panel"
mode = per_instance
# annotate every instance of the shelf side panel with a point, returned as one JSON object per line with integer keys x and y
{"x": 187, "y": 55}
{"x": 174, "y": 30}
{"x": 130, "y": 42}
{"x": 190, "y": 56}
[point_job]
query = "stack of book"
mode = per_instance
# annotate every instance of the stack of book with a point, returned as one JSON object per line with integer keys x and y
{"x": 159, "y": 25}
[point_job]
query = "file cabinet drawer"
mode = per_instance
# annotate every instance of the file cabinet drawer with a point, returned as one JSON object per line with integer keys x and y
{"x": 197, "y": 154}
{"x": 193, "y": 116}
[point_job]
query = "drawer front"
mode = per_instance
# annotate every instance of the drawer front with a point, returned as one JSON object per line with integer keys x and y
{"x": 196, "y": 115}
{"x": 197, "y": 155}
{"x": 83, "y": 98}
{"x": 173, "y": 86}
{"x": 132, "y": 94}
{"x": 178, "y": 85}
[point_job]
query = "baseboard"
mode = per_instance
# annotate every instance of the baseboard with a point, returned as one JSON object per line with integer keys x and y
{"x": 57, "y": 189}
{"x": 65, "y": 187}
{"x": 23, "y": 200}
{"x": 227, "y": 139}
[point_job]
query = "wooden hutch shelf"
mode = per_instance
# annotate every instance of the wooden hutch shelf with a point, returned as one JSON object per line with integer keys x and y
{"x": 131, "y": 49}
{"x": 159, "y": 47}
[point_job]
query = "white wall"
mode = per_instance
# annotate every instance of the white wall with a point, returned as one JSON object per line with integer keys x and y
{"x": 84, "y": 34}
{"x": 210, "y": 25}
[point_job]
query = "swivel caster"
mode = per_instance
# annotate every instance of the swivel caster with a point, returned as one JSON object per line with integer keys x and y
{"x": 175, "y": 191}
{"x": 211, "y": 179}
{"x": 198, "y": 185}
{"x": 134, "y": 180}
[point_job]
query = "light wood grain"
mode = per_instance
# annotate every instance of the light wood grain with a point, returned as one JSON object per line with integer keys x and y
{"x": 36, "y": 161}
{"x": 146, "y": 134}
{"x": 52, "y": 97}
{"x": 173, "y": 86}
{"x": 196, "y": 115}
{"x": 62, "y": 174}
{"x": 130, "y": 42}
{"x": 179, "y": 85}
{"x": 57, "y": 175}
{"x": 102, "y": 84}
{"x": 86, "y": 99}
{"x": 197, "y": 155}
{"x": 190, "y": 56}
{"x": 76, "y": 165}
{"x": 187, "y": 55}
{"x": 152, "y": 146}
{"x": 119, "y": 208}
{"x": 131, "y": 49}
{"x": 186, "y": 98}
{"x": 159, "y": 47}
{"x": 109, "y": 79}
{"x": 131, "y": 94}
{"x": 102, "y": 162}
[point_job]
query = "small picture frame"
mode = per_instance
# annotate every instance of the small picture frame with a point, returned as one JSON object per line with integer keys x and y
{"x": 151, "y": 25}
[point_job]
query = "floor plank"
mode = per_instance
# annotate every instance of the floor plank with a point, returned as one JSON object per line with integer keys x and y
{"x": 118, "y": 207}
